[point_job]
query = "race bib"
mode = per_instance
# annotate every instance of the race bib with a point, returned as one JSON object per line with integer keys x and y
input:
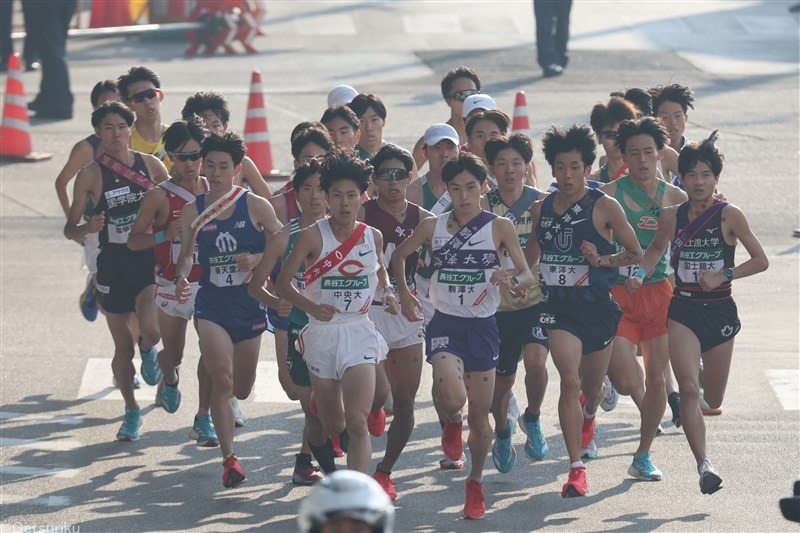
{"x": 346, "y": 293}
{"x": 460, "y": 287}
{"x": 175, "y": 251}
{"x": 565, "y": 275}
{"x": 692, "y": 262}
{"x": 224, "y": 272}
{"x": 627, "y": 271}
{"x": 119, "y": 227}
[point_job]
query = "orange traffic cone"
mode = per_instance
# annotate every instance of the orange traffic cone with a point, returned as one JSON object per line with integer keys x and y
{"x": 520, "y": 124}
{"x": 256, "y": 129}
{"x": 15, "y": 131}
{"x": 106, "y": 14}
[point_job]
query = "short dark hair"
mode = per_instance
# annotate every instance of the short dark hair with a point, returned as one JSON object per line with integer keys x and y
{"x": 392, "y": 151}
{"x": 679, "y": 94}
{"x": 641, "y": 99}
{"x": 502, "y": 120}
{"x": 644, "y": 126}
{"x": 364, "y": 101}
{"x": 203, "y": 101}
{"x": 101, "y": 87}
{"x": 453, "y": 75}
{"x": 576, "y": 138}
{"x": 305, "y": 171}
{"x": 317, "y": 136}
{"x": 343, "y": 112}
{"x": 705, "y": 151}
{"x": 302, "y": 126}
{"x": 133, "y": 75}
{"x": 180, "y": 131}
{"x": 228, "y": 142}
{"x": 615, "y": 110}
{"x": 340, "y": 165}
{"x": 518, "y": 141}
{"x": 108, "y": 108}
{"x": 466, "y": 162}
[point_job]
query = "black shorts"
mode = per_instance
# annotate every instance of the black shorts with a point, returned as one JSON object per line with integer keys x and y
{"x": 713, "y": 323}
{"x": 594, "y": 324}
{"x": 294, "y": 359}
{"x": 517, "y": 329}
{"x": 121, "y": 275}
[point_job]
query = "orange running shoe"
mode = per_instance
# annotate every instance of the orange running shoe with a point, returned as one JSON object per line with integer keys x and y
{"x": 386, "y": 483}
{"x": 576, "y": 485}
{"x": 452, "y": 442}
{"x": 376, "y": 422}
{"x": 475, "y": 506}
{"x": 232, "y": 473}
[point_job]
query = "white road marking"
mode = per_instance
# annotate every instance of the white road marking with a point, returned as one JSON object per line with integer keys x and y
{"x": 786, "y": 384}
{"x": 32, "y": 471}
{"x": 24, "y": 499}
{"x": 96, "y": 383}
{"x": 55, "y": 445}
{"x": 70, "y": 420}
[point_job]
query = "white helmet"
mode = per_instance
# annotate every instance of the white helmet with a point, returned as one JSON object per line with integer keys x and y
{"x": 346, "y": 494}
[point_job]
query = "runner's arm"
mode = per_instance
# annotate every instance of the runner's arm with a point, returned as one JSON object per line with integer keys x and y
{"x": 623, "y": 234}
{"x": 509, "y": 240}
{"x": 80, "y": 156}
{"x": 657, "y": 248}
{"x": 158, "y": 172}
{"x": 140, "y": 237}
{"x": 184, "y": 263}
{"x": 532, "y": 250}
{"x": 73, "y": 229}
{"x": 272, "y": 254}
{"x": 389, "y": 297}
{"x": 254, "y": 179}
{"x": 423, "y": 234}
{"x": 735, "y": 226}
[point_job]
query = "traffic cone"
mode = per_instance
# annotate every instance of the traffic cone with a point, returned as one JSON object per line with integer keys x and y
{"x": 107, "y": 14}
{"x": 520, "y": 124}
{"x": 256, "y": 129}
{"x": 15, "y": 131}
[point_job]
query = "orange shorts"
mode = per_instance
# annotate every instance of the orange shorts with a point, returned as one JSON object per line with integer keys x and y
{"x": 644, "y": 313}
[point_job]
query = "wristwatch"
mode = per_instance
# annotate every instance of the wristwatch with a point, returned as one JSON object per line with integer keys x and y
{"x": 728, "y": 273}
{"x": 514, "y": 281}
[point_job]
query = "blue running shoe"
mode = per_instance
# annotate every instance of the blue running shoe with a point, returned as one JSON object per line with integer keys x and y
{"x": 168, "y": 396}
{"x": 203, "y": 432}
{"x": 536, "y": 447}
{"x": 151, "y": 373}
{"x": 88, "y": 301}
{"x": 643, "y": 468}
{"x": 131, "y": 423}
{"x": 503, "y": 453}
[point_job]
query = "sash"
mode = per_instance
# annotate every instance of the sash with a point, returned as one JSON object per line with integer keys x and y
{"x": 121, "y": 169}
{"x": 441, "y": 204}
{"x": 179, "y": 191}
{"x": 529, "y": 195}
{"x": 458, "y": 240}
{"x": 324, "y": 265}
{"x": 621, "y": 172}
{"x": 574, "y": 210}
{"x": 213, "y": 210}
{"x": 651, "y": 205}
{"x": 686, "y": 235}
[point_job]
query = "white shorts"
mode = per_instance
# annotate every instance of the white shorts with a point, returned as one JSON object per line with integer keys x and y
{"x": 166, "y": 301}
{"x": 330, "y": 348}
{"x": 91, "y": 249}
{"x": 423, "y": 286}
{"x": 397, "y": 330}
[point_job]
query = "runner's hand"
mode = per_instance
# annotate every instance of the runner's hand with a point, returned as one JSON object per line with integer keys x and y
{"x": 284, "y": 308}
{"x": 710, "y": 280}
{"x": 501, "y": 276}
{"x": 247, "y": 262}
{"x": 96, "y": 223}
{"x": 183, "y": 290}
{"x": 323, "y": 312}
{"x": 410, "y": 307}
{"x": 287, "y": 384}
{"x": 390, "y": 302}
{"x": 173, "y": 230}
{"x": 589, "y": 251}
{"x": 633, "y": 283}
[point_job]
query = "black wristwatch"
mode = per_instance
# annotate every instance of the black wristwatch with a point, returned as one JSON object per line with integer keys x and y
{"x": 514, "y": 281}
{"x": 728, "y": 273}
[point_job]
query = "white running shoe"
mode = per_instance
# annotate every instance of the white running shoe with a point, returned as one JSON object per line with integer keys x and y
{"x": 238, "y": 416}
{"x": 513, "y": 406}
{"x": 610, "y": 396}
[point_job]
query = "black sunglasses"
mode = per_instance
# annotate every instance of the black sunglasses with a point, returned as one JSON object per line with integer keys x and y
{"x": 391, "y": 174}
{"x": 463, "y": 95}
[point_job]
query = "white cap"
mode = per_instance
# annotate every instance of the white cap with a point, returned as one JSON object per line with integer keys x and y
{"x": 439, "y": 132}
{"x": 477, "y": 101}
{"x": 341, "y": 95}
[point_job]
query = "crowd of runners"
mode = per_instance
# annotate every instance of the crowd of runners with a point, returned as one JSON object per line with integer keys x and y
{"x": 374, "y": 259}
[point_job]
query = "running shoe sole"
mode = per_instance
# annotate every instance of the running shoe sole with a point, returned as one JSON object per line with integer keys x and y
{"x": 710, "y": 483}
{"x": 634, "y": 473}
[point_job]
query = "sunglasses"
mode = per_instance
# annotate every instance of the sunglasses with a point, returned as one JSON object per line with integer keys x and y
{"x": 186, "y": 156}
{"x": 460, "y": 96}
{"x": 391, "y": 174}
{"x": 608, "y": 135}
{"x": 147, "y": 94}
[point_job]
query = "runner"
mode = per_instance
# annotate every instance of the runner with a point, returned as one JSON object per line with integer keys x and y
{"x": 140, "y": 89}
{"x": 342, "y": 124}
{"x": 340, "y": 344}
{"x": 462, "y": 338}
{"x": 227, "y": 226}
{"x": 396, "y": 218}
{"x": 161, "y": 209}
{"x": 605, "y": 121}
{"x": 481, "y": 127}
{"x": 371, "y": 113}
{"x": 644, "y": 312}
{"x": 116, "y": 183}
{"x": 578, "y": 265}
{"x": 292, "y": 370}
{"x": 517, "y": 315}
{"x": 703, "y": 319}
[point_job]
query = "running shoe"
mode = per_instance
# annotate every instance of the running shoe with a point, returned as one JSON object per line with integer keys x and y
{"x": 151, "y": 373}
{"x": 137, "y": 383}
{"x": 88, "y": 301}
{"x": 452, "y": 442}
{"x": 674, "y": 401}
{"x": 643, "y": 468}
{"x": 707, "y": 410}
{"x": 513, "y": 406}
{"x": 589, "y": 451}
{"x": 576, "y": 484}
{"x": 386, "y": 483}
{"x": 238, "y": 416}
{"x": 475, "y": 506}
{"x": 659, "y": 430}
{"x": 344, "y": 440}
{"x": 536, "y": 447}
{"x": 376, "y": 422}
{"x": 305, "y": 473}
{"x": 448, "y": 464}
{"x": 203, "y": 432}
{"x": 588, "y": 428}
{"x": 168, "y": 396}
{"x": 610, "y": 396}
{"x": 132, "y": 421}
{"x": 232, "y": 473}
{"x": 503, "y": 453}
{"x": 710, "y": 482}
{"x": 337, "y": 446}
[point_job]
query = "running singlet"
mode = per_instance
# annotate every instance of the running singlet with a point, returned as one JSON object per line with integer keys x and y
{"x": 94, "y": 142}
{"x": 167, "y": 252}
{"x": 565, "y": 274}
{"x": 292, "y": 209}
{"x": 157, "y": 148}
{"x": 296, "y": 316}
{"x": 120, "y": 200}
{"x": 644, "y": 222}
{"x": 220, "y": 241}
{"x": 707, "y": 250}
{"x": 394, "y": 233}
{"x": 349, "y": 285}
{"x": 437, "y": 206}
{"x": 461, "y": 287}
{"x": 524, "y": 226}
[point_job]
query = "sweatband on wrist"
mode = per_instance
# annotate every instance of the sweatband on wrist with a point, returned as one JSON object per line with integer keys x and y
{"x": 159, "y": 236}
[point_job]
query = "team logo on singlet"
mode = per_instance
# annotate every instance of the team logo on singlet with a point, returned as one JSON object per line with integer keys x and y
{"x": 351, "y": 267}
{"x": 226, "y": 243}
{"x": 538, "y": 333}
{"x": 646, "y": 222}
{"x": 564, "y": 239}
